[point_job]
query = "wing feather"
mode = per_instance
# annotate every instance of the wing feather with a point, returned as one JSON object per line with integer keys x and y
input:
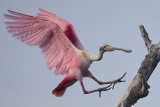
{"x": 56, "y": 47}
{"x": 66, "y": 27}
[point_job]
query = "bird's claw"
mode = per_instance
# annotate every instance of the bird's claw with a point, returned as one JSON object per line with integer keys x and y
{"x": 118, "y": 80}
{"x": 104, "y": 89}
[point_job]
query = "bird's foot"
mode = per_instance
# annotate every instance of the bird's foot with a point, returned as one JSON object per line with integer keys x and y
{"x": 104, "y": 89}
{"x": 118, "y": 80}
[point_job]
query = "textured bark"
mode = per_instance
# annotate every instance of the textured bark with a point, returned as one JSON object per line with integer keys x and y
{"x": 139, "y": 86}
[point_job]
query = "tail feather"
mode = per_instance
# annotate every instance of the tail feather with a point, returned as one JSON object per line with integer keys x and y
{"x": 58, "y": 92}
{"x": 61, "y": 88}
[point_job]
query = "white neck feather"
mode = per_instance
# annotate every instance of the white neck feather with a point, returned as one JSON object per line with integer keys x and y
{"x": 97, "y": 57}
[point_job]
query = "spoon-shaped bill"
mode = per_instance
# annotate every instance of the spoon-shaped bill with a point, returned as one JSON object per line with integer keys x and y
{"x": 121, "y": 49}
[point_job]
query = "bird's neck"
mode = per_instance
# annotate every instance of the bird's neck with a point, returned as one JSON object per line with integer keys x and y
{"x": 97, "y": 57}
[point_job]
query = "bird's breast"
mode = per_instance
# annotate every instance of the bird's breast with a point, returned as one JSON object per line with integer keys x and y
{"x": 84, "y": 58}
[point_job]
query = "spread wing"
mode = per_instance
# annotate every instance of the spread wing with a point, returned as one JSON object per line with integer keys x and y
{"x": 66, "y": 27}
{"x": 57, "y": 49}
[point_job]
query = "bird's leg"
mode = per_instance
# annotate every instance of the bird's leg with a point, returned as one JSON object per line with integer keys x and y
{"x": 110, "y": 82}
{"x": 89, "y": 74}
{"x": 79, "y": 77}
{"x": 96, "y": 90}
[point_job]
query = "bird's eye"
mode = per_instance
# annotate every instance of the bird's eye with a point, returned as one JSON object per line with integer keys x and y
{"x": 104, "y": 46}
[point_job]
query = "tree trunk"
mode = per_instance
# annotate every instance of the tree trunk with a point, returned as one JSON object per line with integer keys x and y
{"x": 139, "y": 86}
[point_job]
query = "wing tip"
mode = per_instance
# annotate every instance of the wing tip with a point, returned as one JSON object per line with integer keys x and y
{"x": 42, "y": 10}
{"x": 9, "y": 11}
{"x": 10, "y": 15}
{"x": 12, "y": 12}
{"x": 45, "y": 11}
{"x": 7, "y": 16}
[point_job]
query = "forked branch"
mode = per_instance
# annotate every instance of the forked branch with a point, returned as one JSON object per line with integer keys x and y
{"x": 139, "y": 86}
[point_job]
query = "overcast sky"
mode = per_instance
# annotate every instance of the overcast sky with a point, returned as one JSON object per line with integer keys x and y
{"x": 25, "y": 80}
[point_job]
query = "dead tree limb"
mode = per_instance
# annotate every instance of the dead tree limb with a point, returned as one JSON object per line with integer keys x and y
{"x": 139, "y": 86}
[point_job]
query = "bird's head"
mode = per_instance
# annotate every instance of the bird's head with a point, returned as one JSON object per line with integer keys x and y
{"x": 106, "y": 47}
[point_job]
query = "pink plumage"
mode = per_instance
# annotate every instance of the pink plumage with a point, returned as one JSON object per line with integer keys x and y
{"x": 60, "y": 46}
{"x": 55, "y": 36}
{"x": 47, "y": 31}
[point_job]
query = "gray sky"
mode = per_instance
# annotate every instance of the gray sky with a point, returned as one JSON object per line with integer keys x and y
{"x": 25, "y": 80}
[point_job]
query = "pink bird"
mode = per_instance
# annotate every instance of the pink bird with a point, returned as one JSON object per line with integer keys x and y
{"x": 60, "y": 46}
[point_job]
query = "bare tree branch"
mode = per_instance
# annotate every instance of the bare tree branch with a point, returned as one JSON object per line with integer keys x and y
{"x": 139, "y": 86}
{"x": 145, "y": 37}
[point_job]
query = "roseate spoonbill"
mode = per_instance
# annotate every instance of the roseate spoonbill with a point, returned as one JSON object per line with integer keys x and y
{"x": 60, "y": 46}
